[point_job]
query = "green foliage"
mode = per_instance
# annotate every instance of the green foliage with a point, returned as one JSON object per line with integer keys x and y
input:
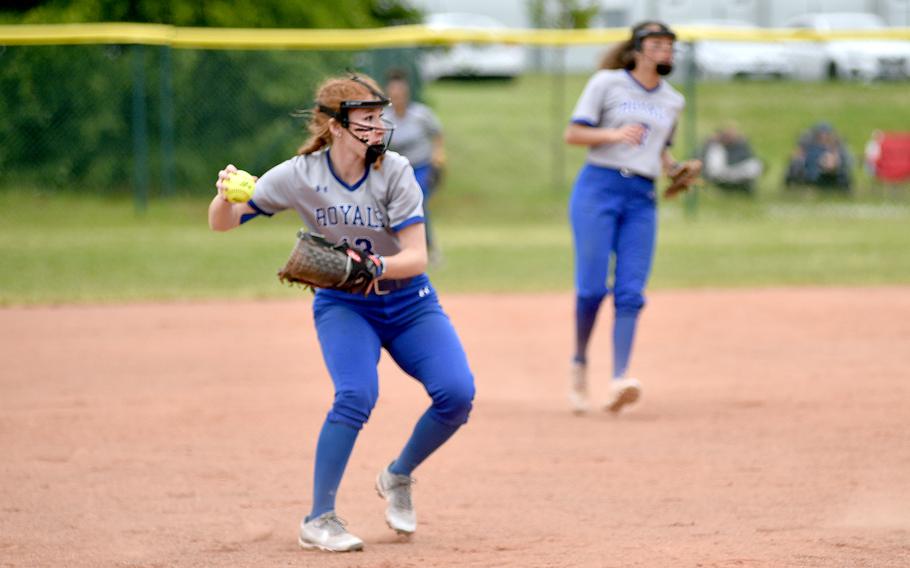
{"x": 70, "y": 116}
{"x": 222, "y": 13}
{"x": 44, "y": 100}
{"x": 70, "y": 110}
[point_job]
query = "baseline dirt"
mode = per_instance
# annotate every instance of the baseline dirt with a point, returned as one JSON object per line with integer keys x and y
{"x": 772, "y": 432}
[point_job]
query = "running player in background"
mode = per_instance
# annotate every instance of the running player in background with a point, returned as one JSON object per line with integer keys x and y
{"x": 344, "y": 186}
{"x": 626, "y": 115}
{"x": 418, "y": 137}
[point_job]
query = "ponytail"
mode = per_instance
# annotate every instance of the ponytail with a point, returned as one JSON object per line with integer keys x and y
{"x": 620, "y": 56}
{"x": 313, "y": 144}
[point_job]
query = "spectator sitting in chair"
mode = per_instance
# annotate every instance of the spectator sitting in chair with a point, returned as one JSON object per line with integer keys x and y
{"x": 729, "y": 160}
{"x": 820, "y": 159}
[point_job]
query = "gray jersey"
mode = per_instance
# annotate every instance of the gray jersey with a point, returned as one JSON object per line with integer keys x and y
{"x": 367, "y": 214}
{"x": 613, "y": 98}
{"x": 414, "y": 133}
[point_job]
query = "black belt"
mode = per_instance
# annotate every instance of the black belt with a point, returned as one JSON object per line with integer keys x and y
{"x": 385, "y": 286}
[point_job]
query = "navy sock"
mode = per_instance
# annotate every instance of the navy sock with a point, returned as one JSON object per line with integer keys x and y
{"x": 336, "y": 441}
{"x": 585, "y": 316}
{"x": 428, "y": 435}
{"x": 623, "y": 336}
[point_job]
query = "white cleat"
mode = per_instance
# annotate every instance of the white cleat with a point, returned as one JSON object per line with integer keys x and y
{"x": 396, "y": 490}
{"x": 327, "y": 532}
{"x": 622, "y": 392}
{"x": 578, "y": 388}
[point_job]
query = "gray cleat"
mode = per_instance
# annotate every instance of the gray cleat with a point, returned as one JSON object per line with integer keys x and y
{"x": 327, "y": 532}
{"x": 396, "y": 490}
{"x": 578, "y": 388}
{"x": 622, "y": 392}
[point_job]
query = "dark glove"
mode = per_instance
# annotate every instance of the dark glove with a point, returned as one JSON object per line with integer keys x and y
{"x": 682, "y": 175}
{"x": 317, "y": 263}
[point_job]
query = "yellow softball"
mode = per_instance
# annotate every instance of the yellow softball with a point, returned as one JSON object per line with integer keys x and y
{"x": 239, "y": 187}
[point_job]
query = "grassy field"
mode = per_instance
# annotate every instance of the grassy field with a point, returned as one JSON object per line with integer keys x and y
{"x": 507, "y": 159}
{"x": 500, "y": 217}
{"x": 66, "y": 250}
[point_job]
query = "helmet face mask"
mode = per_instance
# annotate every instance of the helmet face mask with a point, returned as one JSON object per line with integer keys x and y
{"x": 654, "y": 30}
{"x": 342, "y": 115}
{"x": 362, "y": 131}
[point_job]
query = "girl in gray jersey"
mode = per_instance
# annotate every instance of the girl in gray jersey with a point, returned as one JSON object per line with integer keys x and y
{"x": 626, "y": 116}
{"x": 344, "y": 185}
{"x": 418, "y": 137}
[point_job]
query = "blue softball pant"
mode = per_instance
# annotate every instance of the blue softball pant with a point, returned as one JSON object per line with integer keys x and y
{"x": 613, "y": 216}
{"x": 411, "y": 325}
{"x": 424, "y": 175}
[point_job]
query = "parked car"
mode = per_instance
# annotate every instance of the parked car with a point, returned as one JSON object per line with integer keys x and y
{"x": 728, "y": 59}
{"x": 468, "y": 59}
{"x": 864, "y": 59}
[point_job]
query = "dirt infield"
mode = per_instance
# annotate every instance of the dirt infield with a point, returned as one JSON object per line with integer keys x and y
{"x": 773, "y": 432}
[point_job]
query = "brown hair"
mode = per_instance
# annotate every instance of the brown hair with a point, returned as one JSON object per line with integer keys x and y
{"x": 622, "y": 55}
{"x": 330, "y": 94}
{"x": 396, "y": 74}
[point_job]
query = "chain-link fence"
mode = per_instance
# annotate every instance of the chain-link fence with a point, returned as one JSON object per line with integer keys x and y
{"x": 153, "y": 120}
{"x": 154, "y": 115}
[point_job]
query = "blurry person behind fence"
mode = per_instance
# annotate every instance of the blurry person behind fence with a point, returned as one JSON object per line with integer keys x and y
{"x": 729, "y": 161}
{"x": 820, "y": 159}
{"x": 418, "y": 137}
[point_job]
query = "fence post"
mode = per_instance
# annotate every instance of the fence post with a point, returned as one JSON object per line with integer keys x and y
{"x": 140, "y": 132}
{"x": 691, "y": 197}
{"x": 167, "y": 123}
{"x": 559, "y": 89}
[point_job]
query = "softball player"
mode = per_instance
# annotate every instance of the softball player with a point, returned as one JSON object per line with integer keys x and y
{"x": 418, "y": 137}
{"x": 626, "y": 115}
{"x": 345, "y": 186}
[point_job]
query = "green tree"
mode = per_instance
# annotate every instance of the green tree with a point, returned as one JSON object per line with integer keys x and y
{"x": 68, "y": 110}
{"x": 219, "y": 13}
